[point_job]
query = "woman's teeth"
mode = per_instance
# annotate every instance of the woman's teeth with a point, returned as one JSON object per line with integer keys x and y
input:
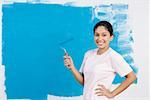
{"x": 102, "y": 42}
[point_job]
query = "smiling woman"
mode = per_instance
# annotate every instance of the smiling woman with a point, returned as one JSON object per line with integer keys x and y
{"x": 100, "y": 66}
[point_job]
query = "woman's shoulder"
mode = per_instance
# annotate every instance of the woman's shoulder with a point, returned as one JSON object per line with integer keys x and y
{"x": 115, "y": 54}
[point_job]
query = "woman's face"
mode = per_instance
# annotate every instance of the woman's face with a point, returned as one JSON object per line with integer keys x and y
{"x": 102, "y": 37}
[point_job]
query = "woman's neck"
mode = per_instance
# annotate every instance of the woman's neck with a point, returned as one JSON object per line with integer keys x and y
{"x": 101, "y": 51}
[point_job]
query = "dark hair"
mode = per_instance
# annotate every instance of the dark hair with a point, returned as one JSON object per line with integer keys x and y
{"x": 106, "y": 24}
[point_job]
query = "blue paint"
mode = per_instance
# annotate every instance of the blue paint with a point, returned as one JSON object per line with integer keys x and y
{"x": 120, "y": 17}
{"x": 119, "y": 7}
{"x": 66, "y": 41}
{"x": 104, "y": 6}
{"x": 32, "y": 35}
{"x": 102, "y": 13}
{"x": 31, "y": 54}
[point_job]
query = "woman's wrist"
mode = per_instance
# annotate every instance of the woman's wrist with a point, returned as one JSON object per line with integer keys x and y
{"x": 72, "y": 68}
{"x": 112, "y": 95}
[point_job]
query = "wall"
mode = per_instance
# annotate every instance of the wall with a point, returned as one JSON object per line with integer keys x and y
{"x": 141, "y": 59}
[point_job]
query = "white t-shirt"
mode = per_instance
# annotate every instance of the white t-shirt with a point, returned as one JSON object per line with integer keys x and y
{"x": 101, "y": 69}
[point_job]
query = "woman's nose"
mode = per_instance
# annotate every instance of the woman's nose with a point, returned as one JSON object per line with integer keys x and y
{"x": 99, "y": 38}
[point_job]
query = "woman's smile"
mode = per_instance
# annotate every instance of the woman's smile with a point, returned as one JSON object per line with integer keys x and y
{"x": 100, "y": 43}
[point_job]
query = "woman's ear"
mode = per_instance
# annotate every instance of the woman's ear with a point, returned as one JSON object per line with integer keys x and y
{"x": 111, "y": 37}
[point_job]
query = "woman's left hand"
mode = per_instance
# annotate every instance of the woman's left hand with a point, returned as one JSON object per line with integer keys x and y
{"x": 102, "y": 91}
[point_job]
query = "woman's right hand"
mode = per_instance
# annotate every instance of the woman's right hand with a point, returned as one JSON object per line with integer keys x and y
{"x": 68, "y": 61}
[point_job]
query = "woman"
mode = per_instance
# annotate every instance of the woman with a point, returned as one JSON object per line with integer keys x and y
{"x": 100, "y": 66}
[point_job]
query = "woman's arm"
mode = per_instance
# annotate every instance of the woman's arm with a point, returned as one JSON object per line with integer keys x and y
{"x": 69, "y": 64}
{"x": 78, "y": 76}
{"x": 102, "y": 91}
{"x": 125, "y": 84}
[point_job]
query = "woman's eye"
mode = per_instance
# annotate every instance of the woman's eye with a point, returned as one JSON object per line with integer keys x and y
{"x": 96, "y": 34}
{"x": 104, "y": 34}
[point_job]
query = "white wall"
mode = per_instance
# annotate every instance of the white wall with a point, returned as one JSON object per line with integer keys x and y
{"x": 139, "y": 13}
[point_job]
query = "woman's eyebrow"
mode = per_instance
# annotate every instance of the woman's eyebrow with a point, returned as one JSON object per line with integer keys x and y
{"x": 104, "y": 33}
{"x": 97, "y": 33}
{"x": 100, "y": 33}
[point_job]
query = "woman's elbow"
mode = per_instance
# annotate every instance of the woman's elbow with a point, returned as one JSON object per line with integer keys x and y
{"x": 131, "y": 76}
{"x": 82, "y": 82}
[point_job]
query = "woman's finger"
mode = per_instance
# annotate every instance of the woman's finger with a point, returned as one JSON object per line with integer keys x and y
{"x": 101, "y": 86}
{"x": 99, "y": 89}
{"x": 99, "y": 93}
{"x": 67, "y": 60}
{"x": 65, "y": 57}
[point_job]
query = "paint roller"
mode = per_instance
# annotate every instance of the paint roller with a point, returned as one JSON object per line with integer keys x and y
{"x": 65, "y": 42}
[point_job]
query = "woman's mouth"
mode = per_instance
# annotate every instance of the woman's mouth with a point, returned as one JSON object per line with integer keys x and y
{"x": 100, "y": 43}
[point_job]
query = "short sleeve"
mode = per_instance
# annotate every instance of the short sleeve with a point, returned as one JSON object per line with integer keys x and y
{"x": 83, "y": 62}
{"x": 120, "y": 65}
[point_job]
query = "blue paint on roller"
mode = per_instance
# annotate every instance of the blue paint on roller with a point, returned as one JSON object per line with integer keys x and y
{"x": 66, "y": 41}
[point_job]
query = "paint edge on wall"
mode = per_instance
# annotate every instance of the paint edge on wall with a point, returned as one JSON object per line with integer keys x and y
{"x": 3, "y": 95}
{"x": 81, "y": 3}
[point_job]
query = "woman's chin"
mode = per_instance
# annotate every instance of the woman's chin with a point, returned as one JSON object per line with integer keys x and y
{"x": 101, "y": 47}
